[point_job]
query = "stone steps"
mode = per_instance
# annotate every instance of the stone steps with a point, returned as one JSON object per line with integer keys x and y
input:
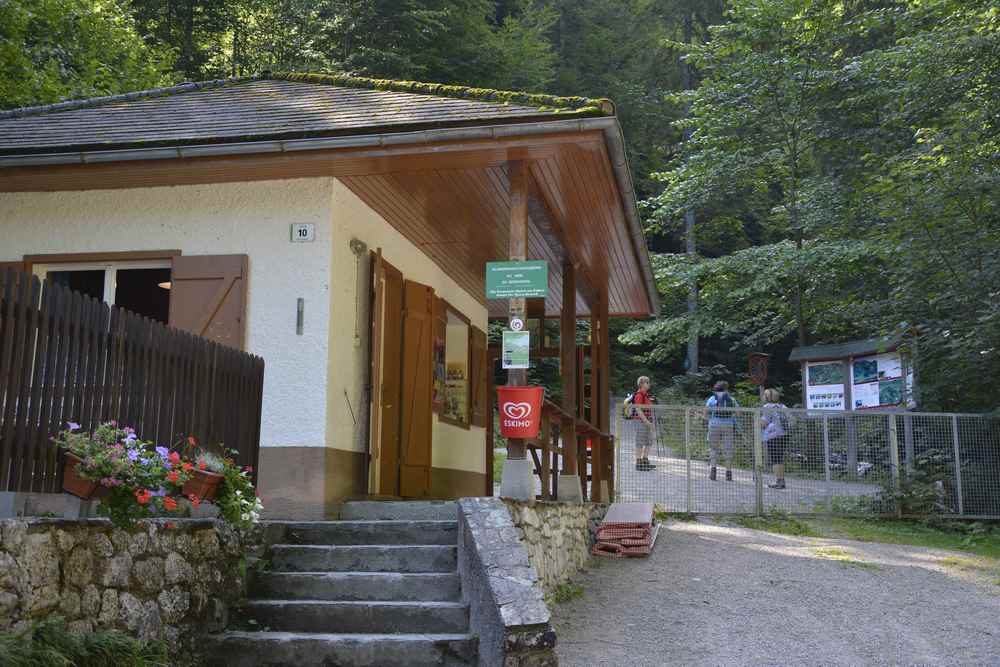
{"x": 285, "y": 649}
{"x": 379, "y": 587}
{"x": 374, "y": 532}
{"x": 364, "y": 558}
{"x": 358, "y": 617}
{"x": 430, "y": 586}
{"x": 443, "y": 510}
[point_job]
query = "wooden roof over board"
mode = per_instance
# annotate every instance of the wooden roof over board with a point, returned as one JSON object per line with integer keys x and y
{"x": 432, "y": 160}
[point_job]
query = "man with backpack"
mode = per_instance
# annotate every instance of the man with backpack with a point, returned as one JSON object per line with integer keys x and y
{"x": 721, "y": 428}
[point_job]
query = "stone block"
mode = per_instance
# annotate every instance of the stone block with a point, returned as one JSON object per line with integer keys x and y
{"x": 90, "y": 601}
{"x": 176, "y": 569}
{"x": 174, "y": 603}
{"x": 109, "y": 608}
{"x": 102, "y": 545}
{"x": 147, "y": 575}
{"x": 80, "y": 567}
{"x": 118, "y": 571}
{"x": 70, "y": 603}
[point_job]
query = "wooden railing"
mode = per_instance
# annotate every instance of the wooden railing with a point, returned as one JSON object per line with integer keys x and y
{"x": 547, "y": 450}
{"x": 67, "y": 357}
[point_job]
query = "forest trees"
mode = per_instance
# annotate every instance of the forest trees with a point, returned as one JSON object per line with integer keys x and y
{"x": 850, "y": 153}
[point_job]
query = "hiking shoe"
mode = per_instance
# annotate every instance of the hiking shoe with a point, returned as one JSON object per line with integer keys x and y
{"x": 711, "y": 473}
{"x": 649, "y": 465}
{"x": 642, "y": 467}
{"x": 780, "y": 484}
{"x": 729, "y": 475}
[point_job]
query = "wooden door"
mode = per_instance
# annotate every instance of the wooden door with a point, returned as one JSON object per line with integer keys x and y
{"x": 386, "y": 347}
{"x": 417, "y": 390}
{"x": 208, "y": 296}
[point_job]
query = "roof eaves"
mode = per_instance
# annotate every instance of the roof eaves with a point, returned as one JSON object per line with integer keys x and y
{"x": 576, "y": 106}
{"x": 91, "y": 102}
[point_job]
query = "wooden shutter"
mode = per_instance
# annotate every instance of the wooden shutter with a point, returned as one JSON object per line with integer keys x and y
{"x": 417, "y": 386}
{"x": 208, "y": 296}
{"x": 386, "y": 342}
{"x": 478, "y": 376}
{"x": 18, "y": 266}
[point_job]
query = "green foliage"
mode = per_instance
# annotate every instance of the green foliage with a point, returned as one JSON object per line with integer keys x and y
{"x": 49, "y": 644}
{"x": 980, "y": 538}
{"x": 777, "y": 521}
{"x": 565, "y": 592}
{"x": 51, "y": 50}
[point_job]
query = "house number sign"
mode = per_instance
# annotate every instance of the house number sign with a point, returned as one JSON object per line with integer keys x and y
{"x": 303, "y": 233}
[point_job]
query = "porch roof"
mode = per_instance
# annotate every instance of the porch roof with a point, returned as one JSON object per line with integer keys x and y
{"x": 430, "y": 159}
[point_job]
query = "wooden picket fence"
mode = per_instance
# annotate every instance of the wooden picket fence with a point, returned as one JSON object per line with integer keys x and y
{"x": 67, "y": 357}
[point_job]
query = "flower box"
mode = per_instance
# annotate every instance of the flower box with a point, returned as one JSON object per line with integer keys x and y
{"x": 76, "y": 485}
{"x": 203, "y": 484}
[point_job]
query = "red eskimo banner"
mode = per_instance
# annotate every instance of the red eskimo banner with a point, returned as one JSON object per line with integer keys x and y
{"x": 520, "y": 411}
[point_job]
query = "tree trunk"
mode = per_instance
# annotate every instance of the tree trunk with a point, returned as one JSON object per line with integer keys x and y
{"x": 689, "y": 220}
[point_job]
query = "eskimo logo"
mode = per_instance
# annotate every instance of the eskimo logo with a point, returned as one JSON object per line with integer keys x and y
{"x": 517, "y": 411}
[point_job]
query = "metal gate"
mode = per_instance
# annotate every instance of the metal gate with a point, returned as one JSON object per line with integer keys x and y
{"x": 866, "y": 462}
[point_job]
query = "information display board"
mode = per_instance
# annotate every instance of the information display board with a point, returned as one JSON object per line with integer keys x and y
{"x": 825, "y": 388}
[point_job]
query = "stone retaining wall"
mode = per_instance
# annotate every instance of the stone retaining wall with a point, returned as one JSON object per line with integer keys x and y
{"x": 557, "y": 536}
{"x": 163, "y": 580}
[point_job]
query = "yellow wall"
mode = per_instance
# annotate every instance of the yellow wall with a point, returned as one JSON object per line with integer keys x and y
{"x": 453, "y": 447}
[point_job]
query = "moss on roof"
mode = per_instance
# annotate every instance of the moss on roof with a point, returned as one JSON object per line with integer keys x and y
{"x": 584, "y": 106}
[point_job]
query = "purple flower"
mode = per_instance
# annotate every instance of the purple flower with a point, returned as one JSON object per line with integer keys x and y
{"x": 167, "y": 465}
{"x": 133, "y": 454}
{"x": 163, "y": 452}
{"x": 131, "y": 437}
{"x": 160, "y": 492}
{"x": 144, "y": 462}
{"x": 73, "y": 426}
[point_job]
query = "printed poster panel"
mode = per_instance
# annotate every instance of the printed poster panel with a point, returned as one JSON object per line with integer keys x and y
{"x": 865, "y": 395}
{"x": 515, "y": 352}
{"x": 825, "y": 397}
{"x": 865, "y": 369}
{"x": 889, "y": 366}
{"x": 826, "y": 373}
{"x": 890, "y": 392}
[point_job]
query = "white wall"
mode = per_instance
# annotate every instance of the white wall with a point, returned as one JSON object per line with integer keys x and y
{"x": 311, "y": 398}
{"x": 453, "y": 447}
{"x": 239, "y": 218}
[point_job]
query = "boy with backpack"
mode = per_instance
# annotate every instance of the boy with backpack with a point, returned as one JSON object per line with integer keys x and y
{"x": 776, "y": 424}
{"x": 645, "y": 429}
{"x": 721, "y": 428}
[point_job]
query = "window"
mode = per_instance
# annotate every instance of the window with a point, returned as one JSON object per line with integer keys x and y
{"x": 452, "y": 397}
{"x": 142, "y": 287}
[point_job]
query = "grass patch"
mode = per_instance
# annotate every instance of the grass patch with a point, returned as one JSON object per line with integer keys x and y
{"x": 844, "y": 557}
{"x": 49, "y": 643}
{"x": 565, "y": 592}
{"x": 499, "y": 456}
{"x": 977, "y": 538}
{"x": 663, "y": 515}
{"x": 776, "y": 522}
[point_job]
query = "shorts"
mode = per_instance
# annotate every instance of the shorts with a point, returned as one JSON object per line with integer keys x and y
{"x": 776, "y": 448}
{"x": 642, "y": 434}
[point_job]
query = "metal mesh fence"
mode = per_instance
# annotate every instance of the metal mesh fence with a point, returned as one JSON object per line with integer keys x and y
{"x": 727, "y": 461}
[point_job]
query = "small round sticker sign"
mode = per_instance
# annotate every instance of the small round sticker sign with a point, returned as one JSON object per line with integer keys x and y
{"x": 516, "y": 324}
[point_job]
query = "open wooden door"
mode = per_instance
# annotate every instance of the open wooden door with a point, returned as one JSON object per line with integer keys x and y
{"x": 386, "y": 347}
{"x": 417, "y": 390}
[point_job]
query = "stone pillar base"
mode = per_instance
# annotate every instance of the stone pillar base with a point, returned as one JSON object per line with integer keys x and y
{"x": 518, "y": 482}
{"x": 569, "y": 489}
{"x": 11, "y": 504}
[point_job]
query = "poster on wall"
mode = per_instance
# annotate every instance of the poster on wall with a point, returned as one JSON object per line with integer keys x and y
{"x": 439, "y": 375}
{"x": 890, "y": 392}
{"x": 826, "y": 373}
{"x": 865, "y": 370}
{"x": 889, "y": 366}
{"x": 515, "y": 352}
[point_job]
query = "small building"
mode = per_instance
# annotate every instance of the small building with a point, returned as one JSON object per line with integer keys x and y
{"x": 338, "y": 227}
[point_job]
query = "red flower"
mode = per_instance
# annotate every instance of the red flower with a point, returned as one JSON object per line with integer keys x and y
{"x": 201, "y": 464}
{"x": 173, "y": 476}
{"x": 142, "y": 497}
{"x": 192, "y": 441}
{"x": 171, "y": 525}
{"x": 248, "y": 469}
{"x": 174, "y": 458}
{"x": 170, "y": 504}
{"x": 187, "y": 467}
{"x": 195, "y": 500}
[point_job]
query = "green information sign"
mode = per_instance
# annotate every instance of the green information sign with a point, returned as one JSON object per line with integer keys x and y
{"x": 517, "y": 280}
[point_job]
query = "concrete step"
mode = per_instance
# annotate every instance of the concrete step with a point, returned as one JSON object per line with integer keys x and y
{"x": 440, "y": 587}
{"x": 281, "y": 649}
{"x": 414, "y": 510}
{"x": 368, "y": 558}
{"x": 357, "y": 617}
{"x": 374, "y": 532}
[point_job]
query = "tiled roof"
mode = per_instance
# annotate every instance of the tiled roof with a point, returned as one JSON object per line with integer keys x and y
{"x": 280, "y": 106}
{"x": 855, "y": 348}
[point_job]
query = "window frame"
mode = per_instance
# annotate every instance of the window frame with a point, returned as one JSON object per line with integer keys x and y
{"x": 110, "y": 268}
{"x": 449, "y": 309}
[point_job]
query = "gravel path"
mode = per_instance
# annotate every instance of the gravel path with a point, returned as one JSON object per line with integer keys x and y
{"x": 712, "y": 594}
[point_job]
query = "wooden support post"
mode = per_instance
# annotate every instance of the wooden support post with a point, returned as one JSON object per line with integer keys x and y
{"x": 546, "y": 472}
{"x": 517, "y": 175}
{"x": 567, "y": 367}
{"x": 603, "y": 399}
